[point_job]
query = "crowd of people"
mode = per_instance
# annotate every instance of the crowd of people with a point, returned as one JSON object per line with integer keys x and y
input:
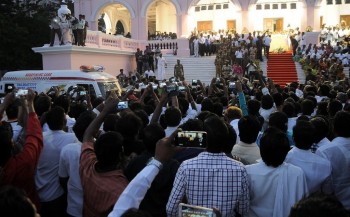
{"x": 267, "y": 148}
{"x": 162, "y": 36}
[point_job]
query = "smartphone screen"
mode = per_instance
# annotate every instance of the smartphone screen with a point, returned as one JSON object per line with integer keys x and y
{"x": 122, "y": 105}
{"x": 21, "y": 92}
{"x": 194, "y": 82}
{"x": 192, "y": 139}
{"x": 190, "y": 210}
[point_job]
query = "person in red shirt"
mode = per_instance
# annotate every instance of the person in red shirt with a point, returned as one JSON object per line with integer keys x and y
{"x": 101, "y": 164}
{"x": 18, "y": 170}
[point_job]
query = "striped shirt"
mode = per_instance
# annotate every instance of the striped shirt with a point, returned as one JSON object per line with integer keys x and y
{"x": 101, "y": 190}
{"x": 211, "y": 180}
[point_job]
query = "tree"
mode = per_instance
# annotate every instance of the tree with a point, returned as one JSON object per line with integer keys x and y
{"x": 23, "y": 25}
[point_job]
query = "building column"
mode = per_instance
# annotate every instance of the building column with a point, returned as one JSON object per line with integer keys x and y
{"x": 245, "y": 20}
{"x": 139, "y": 28}
{"x": 182, "y": 26}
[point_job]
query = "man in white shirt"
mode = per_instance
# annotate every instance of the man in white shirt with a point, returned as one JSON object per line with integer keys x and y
{"x": 69, "y": 165}
{"x": 338, "y": 153}
{"x": 267, "y": 43}
{"x": 239, "y": 56}
{"x": 232, "y": 115}
{"x": 149, "y": 73}
{"x": 316, "y": 169}
{"x": 247, "y": 149}
{"x": 63, "y": 102}
{"x": 275, "y": 186}
{"x": 321, "y": 131}
{"x": 50, "y": 192}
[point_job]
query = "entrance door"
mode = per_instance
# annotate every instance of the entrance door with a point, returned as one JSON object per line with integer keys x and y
{"x": 231, "y": 25}
{"x": 203, "y": 26}
{"x": 346, "y": 19}
{"x": 273, "y": 24}
{"x": 279, "y": 25}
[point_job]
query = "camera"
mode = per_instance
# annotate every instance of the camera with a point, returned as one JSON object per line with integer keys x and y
{"x": 122, "y": 105}
{"x": 191, "y": 139}
{"x": 21, "y": 92}
{"x": 181, "y": 88}
{"x": 194, "y": 83}
{"x": 82, "y": 93}
{"x": 171, "y": 88}
{"x": 231, "y": 85}
{"x": 161, "y": 85}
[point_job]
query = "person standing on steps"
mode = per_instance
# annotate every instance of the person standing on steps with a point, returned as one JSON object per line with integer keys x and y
{"x": 267, "y": 43}
{"x": 162, "y": 64}
{"x": 179, "y": 73}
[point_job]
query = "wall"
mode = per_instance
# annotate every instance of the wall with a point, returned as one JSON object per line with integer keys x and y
{"x": 219, "y": 17}
{"x": 293, "y": 17}
{"x": 331, "y": 13}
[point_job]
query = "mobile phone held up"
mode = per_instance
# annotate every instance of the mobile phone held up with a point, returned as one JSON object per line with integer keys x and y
{"x": 122, "y": 105}
{"x": 190, "y": 210}
{"x": 194, "y": 83}
{"x": 21, "y": 92}
{"x": 196, "y": 139}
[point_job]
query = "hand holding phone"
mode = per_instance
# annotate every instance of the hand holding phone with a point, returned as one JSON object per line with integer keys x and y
{"x": 191, "y": 139}
{"x": 21, "y": 92}
{"x": 122, "y": 105}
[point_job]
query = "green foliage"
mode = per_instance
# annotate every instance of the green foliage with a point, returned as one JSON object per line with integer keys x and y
{"x": 23, "y": 26}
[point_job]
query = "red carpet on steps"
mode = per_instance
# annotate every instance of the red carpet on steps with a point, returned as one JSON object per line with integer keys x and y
{"x": 281, "y": 68}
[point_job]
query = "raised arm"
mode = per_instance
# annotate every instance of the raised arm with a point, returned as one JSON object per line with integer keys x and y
{"x": 93, "y": 128}
{"x": 138, "y": 187}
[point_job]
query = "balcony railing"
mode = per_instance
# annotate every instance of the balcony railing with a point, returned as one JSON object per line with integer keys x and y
{"x": 101, "y": 40}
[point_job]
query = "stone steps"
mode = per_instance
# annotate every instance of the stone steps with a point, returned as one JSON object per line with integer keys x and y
{"x": 198, "y": 68}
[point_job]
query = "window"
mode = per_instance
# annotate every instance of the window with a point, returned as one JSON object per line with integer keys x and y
{"x": 258, "y": 7}
{"x": 293, "y": 6}
{"x": 283, "y": 6}
{"x": 218, "y": 7}
{"x": 225, "y": 6}
{"x": 275, "y": 6}
{"x": 329, "y": 2}
{"x": 197, "y": 9}
{"x": 203, "y": 8}
{"x": 211, "y": 7}
{"x": 267, "y": 7}
{"x": 338, "y": 2}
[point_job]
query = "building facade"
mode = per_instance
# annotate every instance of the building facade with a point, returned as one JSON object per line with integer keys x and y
{"x": 144, "y": 17}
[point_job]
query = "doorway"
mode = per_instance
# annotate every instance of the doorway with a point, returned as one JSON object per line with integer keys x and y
{"x": 273, "y": 24}
{"x": 345, "y": 20}
{"x": 204, "y": 26}
{"x": 231, "y": 25}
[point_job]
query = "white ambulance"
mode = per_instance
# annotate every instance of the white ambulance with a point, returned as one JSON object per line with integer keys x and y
{"x": 96, "y": 83}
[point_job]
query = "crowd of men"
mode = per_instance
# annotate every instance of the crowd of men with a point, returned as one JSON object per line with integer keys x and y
{"x": 91, "y": 157}
{"x": 268, "y": 151}
{"x": 162, "y": 36}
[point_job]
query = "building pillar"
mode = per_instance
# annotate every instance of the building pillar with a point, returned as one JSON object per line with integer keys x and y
{"x": 245, "y": 19}
{"x": 182, "y": 26}
{"x": 317, "y": 22}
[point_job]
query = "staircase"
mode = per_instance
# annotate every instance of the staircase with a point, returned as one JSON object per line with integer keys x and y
{"x": 196, "y": 68}
{"x": 281, "y": 68}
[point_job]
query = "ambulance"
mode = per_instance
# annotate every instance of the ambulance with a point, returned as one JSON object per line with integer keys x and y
{"x": 96, "y": 83}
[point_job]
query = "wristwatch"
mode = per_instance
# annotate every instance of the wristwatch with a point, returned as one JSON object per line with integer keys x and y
{"x": 155, "y": 162}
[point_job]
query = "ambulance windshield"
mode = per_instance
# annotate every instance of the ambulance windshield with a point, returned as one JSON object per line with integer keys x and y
{"x": 107, "y": 86}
